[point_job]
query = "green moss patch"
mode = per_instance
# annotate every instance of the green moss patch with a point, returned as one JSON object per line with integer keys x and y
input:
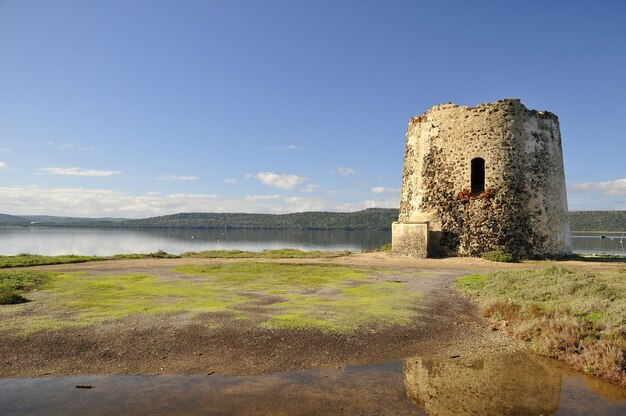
{"x": 329, "y": 298}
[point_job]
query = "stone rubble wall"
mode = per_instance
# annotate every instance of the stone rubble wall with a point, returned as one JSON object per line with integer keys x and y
{"x": 523, "y": 210}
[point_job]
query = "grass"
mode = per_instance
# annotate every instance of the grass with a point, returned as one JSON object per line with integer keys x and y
{"x": 25, "y": 260}
{"x": 329, "y": 298}
{"x": 265, "y": 254}
{"x": 599, "y": 258}
{"x": 13, "y": 284}
{"x": 578, "y": 317}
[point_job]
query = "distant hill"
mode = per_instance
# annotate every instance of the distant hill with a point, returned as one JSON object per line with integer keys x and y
{"x": 54, "y": 221}
{"x": 6, "y": 219}
{"x": 598, "y": 220}
{"x": 369, "y": 219}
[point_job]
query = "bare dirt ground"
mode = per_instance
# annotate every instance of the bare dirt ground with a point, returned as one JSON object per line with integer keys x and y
{"x": 448, "y": 325}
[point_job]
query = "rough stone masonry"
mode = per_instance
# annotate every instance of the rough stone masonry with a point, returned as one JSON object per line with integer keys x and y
{"x": 480, "y": 179}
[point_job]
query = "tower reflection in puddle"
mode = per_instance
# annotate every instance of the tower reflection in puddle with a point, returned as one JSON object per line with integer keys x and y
{"x": 510, "y": 385}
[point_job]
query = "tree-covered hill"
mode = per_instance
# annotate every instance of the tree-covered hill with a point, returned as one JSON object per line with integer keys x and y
{"x": 369, "y": 219}
{"x": 598, "y": 220}
{"x": 6, "y": 219}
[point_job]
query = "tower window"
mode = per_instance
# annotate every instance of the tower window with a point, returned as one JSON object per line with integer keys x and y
{"x": 478, "y": 175}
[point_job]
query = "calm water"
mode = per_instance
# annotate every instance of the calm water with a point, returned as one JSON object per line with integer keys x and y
{"x": 105, "y": 242}
{"x": 594, "y": 243}
{"x": 510, "y": 385}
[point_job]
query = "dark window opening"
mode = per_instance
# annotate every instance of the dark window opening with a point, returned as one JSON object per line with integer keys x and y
{"x": 478, "y": 176}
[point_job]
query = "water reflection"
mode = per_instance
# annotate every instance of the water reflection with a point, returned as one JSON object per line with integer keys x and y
{"x": 507, "y": 385}
{"x": 483, "y": 387}
{"x": 105, "y": 242}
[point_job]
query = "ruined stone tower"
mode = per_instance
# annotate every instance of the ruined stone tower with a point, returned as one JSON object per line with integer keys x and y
{"x": 483, "y": 178}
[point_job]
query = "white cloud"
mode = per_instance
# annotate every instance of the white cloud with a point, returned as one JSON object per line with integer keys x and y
{"x": 309, "y": 188}
{"x": 3, "y": 165}
{"x": 343, "y": 171}
{"x": 177, "y": 178}
{"x": 230, "y": 180}
{"x": 4, "y": 149}
{"x": 288, "y": 147}
{"x": 279, "y": 181}
{"x": 34, "y": 199}
{"x": 382, "y": 190}
{"x": 616, "y": 187}
{"x": 80, "y": 172}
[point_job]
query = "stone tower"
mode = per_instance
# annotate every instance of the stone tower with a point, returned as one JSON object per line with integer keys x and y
{"x": 483, "y": 178}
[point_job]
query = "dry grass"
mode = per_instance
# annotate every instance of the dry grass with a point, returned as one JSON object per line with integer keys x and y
{"x": 579, "y": 318}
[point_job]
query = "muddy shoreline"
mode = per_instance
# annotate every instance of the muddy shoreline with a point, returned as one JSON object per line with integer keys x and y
{"x": 447, "y": 325}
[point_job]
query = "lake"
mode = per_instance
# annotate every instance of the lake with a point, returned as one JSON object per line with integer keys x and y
{"x": 106, "y": 242}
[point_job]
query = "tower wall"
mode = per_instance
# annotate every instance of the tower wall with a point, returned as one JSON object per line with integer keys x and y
{"x": 522, "y": 208}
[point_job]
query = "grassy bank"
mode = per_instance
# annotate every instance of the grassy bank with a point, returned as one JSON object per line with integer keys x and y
{"x": 286, "y": 253}
{"x": 25, "y": 260}
{"x": 329, "y": 298}
{"x": 579, "y": 318}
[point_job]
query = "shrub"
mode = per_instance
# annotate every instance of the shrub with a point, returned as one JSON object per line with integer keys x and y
{"x": 384, "y": 248}
{"x": 498, "y": 256}
{"x": 577, "y": 317}
{"x": 15, "y": 282}
{"x": 160, "y": 254}
{"x": 10, "y": 297}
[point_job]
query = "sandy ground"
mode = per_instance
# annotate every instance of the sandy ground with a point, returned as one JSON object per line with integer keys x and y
{"x": 448, "y": 325}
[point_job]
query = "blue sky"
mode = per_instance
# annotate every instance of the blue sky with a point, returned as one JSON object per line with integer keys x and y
{"x": 138, "y": 108}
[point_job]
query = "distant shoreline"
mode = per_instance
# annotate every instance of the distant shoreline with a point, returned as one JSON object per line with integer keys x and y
{"x": 372, "y": 219}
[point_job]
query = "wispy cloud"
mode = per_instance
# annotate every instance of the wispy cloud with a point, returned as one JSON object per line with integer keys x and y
{"x": 343, "y": 171}
{"x": 90, "y": 148}
{"x": 309, "y": 188}
{"x": 230, "y": 180}
{"x": 73, "y": 171}
{"x": 3, "y": 165}
{"x": 382, "y": 190}
{"x": 177, "y": 178}
{"x": 4, "y": 149}
{"x": 61, "y": 146}
{"x": 279, "y": 181}
{"x": 616, "y": 187}
{"x": 284, "y": 148}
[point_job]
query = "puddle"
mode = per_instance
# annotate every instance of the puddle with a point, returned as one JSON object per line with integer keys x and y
{"x": 520, "y": 385}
